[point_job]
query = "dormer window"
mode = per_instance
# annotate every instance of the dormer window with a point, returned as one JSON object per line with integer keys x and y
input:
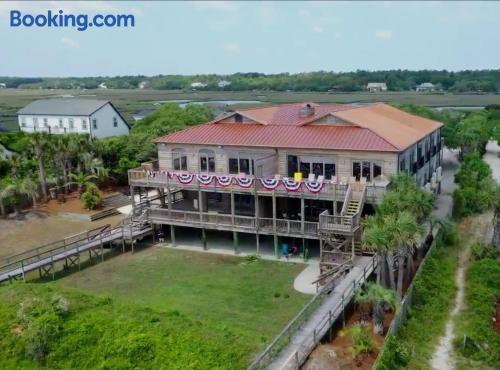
{"x": 238, "y": 118}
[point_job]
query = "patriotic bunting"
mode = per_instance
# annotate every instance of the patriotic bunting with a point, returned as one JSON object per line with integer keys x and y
{"x": 314, "y": 186}
{"x": 291, "y": 184}
{"x": 269, "y": 184}
{"x": 224, "y": 180}
{"x": 244, "y": 182}
{"x": 184, "y": 178}
{"x": 205, "y": 179}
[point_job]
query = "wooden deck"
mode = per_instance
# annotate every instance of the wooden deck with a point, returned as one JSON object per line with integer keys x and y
{"x": 330, "y": 192}
{"x": 69, "y": 249}
{"x": 216, "y": 221}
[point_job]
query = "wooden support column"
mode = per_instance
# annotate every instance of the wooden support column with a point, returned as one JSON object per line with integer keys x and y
{"x": 132, "y": 196}
{"x": 204, "y": 238}
{"x": 152, "y": 225}
{"x": 334, "y": 199}
{"x": 257, "y": 243}
{"x": 236, "y": 242}
{"x": 233, "y": 207}
{"x": 275, "y": 237}
{"x": 172, "y": 235}
{"x": 200, "y": 202}
{"x": 304, "y": 248}
{"x": 169, "y": 196}
{"x": 352, "y": 245}
{"x": 302, "y": 214}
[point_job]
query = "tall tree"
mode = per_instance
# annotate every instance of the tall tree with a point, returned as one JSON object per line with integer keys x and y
{"x": 39, "y": 144}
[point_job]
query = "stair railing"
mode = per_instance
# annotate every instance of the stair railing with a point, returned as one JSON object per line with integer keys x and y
{"x": 347, "y": 199}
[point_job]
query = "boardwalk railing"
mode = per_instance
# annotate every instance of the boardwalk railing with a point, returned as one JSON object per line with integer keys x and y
{"x": 298, "y": 357}
{"x": 285, "y": 336}
{"x": 68, "y": 249}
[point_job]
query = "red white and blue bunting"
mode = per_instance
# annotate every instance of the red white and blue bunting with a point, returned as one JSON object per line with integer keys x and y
{"x": 184, "y": 178}
{"x": 314, "y": 186}
{"x": 291, "y": 184}
{"x": 244, "y": 182}
{"x": 204, "y": 179}
{"x": 224, "y": 180}
{"x": 270, "y": 184}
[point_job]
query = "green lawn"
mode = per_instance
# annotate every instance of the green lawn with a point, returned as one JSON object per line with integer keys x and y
{"x": 201, "y": 311}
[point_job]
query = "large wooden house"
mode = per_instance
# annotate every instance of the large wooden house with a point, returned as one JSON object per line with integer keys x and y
{"x": 302, "y": 171}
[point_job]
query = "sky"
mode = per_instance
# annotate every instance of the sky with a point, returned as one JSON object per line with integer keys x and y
{"x": 270, "y": 37}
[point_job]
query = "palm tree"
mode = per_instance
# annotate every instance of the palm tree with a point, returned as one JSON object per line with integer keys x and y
{"x": 103, "y": 175}
{"x": 406, "y": 232}
{"x": 380, "y": 299}
{"x": 375, "y": 238}
{"x": 4, "y": 194}
{"x": 30, "y": 188}
{"x": 39, "y": 144}
{"x": 81, "y": 180}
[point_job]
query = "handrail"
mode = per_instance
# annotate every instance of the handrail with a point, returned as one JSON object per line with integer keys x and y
{"x": 270, "y": 352}
{"x": 347, "y": 199}
{"x": 327, "y": 320}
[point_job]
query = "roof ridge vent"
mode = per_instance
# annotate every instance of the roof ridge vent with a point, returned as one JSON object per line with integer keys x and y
{"x": 306, "y": 110}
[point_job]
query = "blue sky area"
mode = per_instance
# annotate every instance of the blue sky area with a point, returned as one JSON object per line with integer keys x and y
{"x": 269, "y": 37}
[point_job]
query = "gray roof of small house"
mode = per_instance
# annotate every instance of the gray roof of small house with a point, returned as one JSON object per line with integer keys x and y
{"x": 63, "y": 107}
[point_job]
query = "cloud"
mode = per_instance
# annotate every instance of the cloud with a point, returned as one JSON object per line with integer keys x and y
{"x": 383, "y": 35}
{"x": 318, "y": 29}
{"x": 70, "y": 43}
{"x": 337, "y": 35}
{"x": 225, "y": 6}
{"x": 69, "y": 7}
{"x": 231, "y": 47}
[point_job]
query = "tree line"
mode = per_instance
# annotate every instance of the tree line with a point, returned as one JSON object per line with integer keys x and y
{"x": 321, "y": 81}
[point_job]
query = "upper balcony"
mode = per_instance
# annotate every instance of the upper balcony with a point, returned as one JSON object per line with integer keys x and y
{"x": 331, "y": 190}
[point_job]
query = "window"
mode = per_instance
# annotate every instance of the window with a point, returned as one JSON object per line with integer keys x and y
{"x": 23, "y": 121}
{"x": 94, "y": 123}
{"x": 179, "y": 159}
{"x": 319, "y": 166}
{"x": 84, "y": 124}
{"x": 207, "y": 160}
{"x": 71, "y": 123}
{"x": 115, "y": 121}
{"x": 293, "y": 164}
{"x": 35, "y": 122}
{"x": 45, "y": 122}
{"x": 367, "y": 169}
{"x": 241, "y": 163}
{"x": 238, "y": 118}
{"x": 61, "y": 125}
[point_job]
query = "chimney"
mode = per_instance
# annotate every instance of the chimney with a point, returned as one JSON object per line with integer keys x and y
{"x": 306, "y": 111}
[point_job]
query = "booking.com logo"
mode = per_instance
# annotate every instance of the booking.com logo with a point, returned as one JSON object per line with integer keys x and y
{"x": 81, "y": 21}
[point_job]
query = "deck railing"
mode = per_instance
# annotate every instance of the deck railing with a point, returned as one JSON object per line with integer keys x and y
{"x": 200, "y": 219}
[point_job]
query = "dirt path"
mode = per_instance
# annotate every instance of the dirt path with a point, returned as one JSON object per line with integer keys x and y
{"x": 443, "y": 356}
{"x": 472, "y": 229}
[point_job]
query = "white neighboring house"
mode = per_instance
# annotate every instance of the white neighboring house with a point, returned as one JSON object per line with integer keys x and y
{"x": 98, "y": 118}
{"x": 425, "y": 87}
{"x": 198, "y": 85}
{"x": 376, "y": 86}
{"x": 223, "y": 83}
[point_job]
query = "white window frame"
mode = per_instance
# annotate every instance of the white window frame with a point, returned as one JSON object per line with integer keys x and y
{"x": 94, "y": 123}
{"x": 71, "y": 123}
{"x": 23, "y": 121}
{"x": 84, "y": 124}
{"x": 115, "y": 121}
{"x": 61, "y": 123}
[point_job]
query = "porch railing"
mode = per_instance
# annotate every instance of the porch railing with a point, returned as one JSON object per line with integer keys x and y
{"x": 288, "y": 227}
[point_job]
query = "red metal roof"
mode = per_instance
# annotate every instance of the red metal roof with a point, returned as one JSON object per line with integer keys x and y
{"x": 373, "y": 127}
{"x": 280, "y": 136}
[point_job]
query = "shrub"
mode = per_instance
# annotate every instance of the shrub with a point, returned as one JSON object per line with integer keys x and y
{"x": 362, "y": 341}
{"x": 91, "y": 198}
{"x": 481, "y": 251}
{"x": 393, "y": 356}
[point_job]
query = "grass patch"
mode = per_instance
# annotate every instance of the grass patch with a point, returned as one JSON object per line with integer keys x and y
{"x": 475, "y": 322}
{"x": 242, "y": 305}
{"x": 159, "y": 308}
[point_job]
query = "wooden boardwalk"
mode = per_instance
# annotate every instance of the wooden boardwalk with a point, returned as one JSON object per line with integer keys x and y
{"x": 68, "y": 249}
{"x": 310, "y": 333}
